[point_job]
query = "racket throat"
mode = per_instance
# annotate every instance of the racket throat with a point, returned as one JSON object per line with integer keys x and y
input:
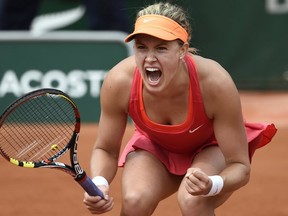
{"x": 79, "y": 172}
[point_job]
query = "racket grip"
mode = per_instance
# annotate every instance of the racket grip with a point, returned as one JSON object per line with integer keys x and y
{"x": 87, "y": 184}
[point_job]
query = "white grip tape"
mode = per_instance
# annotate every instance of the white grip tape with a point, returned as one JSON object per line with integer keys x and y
{"x": 217, "y": 185}
{"x": 100, "y": 180}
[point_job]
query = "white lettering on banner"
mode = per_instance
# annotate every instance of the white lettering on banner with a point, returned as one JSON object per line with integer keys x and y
{"x": 76, "y": 83}
{"x": 95, "y": 80}
{"x": 78, "y": 86}
{"x": 10, "y": 84}
{"x": 276, "y": 6}
{"x": 29, "y": 79}
{"x": 55, "y": 78}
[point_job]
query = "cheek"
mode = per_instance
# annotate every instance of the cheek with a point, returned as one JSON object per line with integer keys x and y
{"x": 139, "y": 59}
{"x": 170, "y": 63}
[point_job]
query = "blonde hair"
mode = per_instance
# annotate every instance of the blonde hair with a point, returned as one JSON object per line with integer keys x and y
{"x": 171, "y": 11}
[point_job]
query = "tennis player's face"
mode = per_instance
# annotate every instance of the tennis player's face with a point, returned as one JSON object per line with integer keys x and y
{"x": 158, "y": 61}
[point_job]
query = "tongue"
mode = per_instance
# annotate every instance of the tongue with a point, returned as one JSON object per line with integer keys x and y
{"x": 154, "y": 76}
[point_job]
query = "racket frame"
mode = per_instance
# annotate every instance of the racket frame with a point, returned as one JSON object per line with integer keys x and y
{"x": 75, "y": 170}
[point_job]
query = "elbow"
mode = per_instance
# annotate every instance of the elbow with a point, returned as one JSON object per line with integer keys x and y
{"x": 246, "y": 179}
{"x": 246, "y": 175}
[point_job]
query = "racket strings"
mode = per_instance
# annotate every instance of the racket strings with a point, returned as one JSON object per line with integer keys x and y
{"x": 20, "y": 128}
{"x": 38, "y": 128}
{"x": 35, "y": 147}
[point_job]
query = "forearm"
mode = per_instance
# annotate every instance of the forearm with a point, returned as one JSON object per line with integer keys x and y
{"x": 103, "y": 164}
{"x": 235, "y": 176}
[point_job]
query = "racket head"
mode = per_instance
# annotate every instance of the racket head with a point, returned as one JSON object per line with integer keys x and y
{"x": 39, "y": 127}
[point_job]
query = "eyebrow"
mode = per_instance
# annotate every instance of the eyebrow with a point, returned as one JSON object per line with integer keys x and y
{"x": 138, "y": 41}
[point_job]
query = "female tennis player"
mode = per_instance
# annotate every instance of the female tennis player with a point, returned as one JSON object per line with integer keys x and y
{"x": 190, "y": 135}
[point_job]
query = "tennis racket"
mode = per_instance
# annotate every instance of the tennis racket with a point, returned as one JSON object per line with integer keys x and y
{"x": 39, "y": 128}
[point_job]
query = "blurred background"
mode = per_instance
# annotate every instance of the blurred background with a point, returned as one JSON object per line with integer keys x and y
{"x": 71, "y": 44}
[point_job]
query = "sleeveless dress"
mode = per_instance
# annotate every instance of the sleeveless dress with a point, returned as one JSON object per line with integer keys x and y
{"x": 176, "y": 145}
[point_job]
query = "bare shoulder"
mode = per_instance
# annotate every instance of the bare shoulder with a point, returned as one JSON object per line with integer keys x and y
{"x": 212, "y": 76}
{"x": 211, "y": 72}
{"x": 117, "y": 83}
{"x": 121, "y": 73}
{"x": 217, "y": 86}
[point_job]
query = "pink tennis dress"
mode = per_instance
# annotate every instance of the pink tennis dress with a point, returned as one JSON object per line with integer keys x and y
{"x": 177, "y": 145}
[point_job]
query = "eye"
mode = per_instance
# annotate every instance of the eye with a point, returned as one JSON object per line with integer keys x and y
{"x": 161, "y": 48}
{"x": 139, "y": 46}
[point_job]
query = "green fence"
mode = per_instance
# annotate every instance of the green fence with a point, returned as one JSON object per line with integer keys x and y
{"x": 75, "y": 62}
{"x": 248, "y": 38}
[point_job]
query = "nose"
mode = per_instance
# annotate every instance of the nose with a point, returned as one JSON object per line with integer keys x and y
{"x": 150, "y": 57}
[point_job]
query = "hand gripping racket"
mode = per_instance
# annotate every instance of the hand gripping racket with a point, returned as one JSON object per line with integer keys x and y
{"x": 39, "y": 128}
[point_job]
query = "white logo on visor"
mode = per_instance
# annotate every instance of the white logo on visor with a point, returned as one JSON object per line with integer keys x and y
{"x": 147, "y": 20}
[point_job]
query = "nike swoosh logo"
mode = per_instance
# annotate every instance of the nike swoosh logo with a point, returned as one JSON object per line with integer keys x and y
{"x": 147, "y": 20}
{"x": 195, "y": 129}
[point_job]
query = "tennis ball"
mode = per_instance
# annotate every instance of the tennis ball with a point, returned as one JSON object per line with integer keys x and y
{"x": 54, "y": 147}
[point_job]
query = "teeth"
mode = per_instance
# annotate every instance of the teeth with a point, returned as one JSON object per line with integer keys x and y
{"x": 152, "y": 69}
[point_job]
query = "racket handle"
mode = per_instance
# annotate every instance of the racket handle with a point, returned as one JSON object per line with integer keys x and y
{"x": 87, "y": 184}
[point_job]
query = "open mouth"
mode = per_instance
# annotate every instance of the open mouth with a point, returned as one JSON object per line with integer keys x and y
{"x": 154, "y": 75}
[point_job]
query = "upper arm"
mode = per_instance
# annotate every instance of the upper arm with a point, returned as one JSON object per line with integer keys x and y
{"x": 223, "y": 105}
{"x": 114, "y": 99}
